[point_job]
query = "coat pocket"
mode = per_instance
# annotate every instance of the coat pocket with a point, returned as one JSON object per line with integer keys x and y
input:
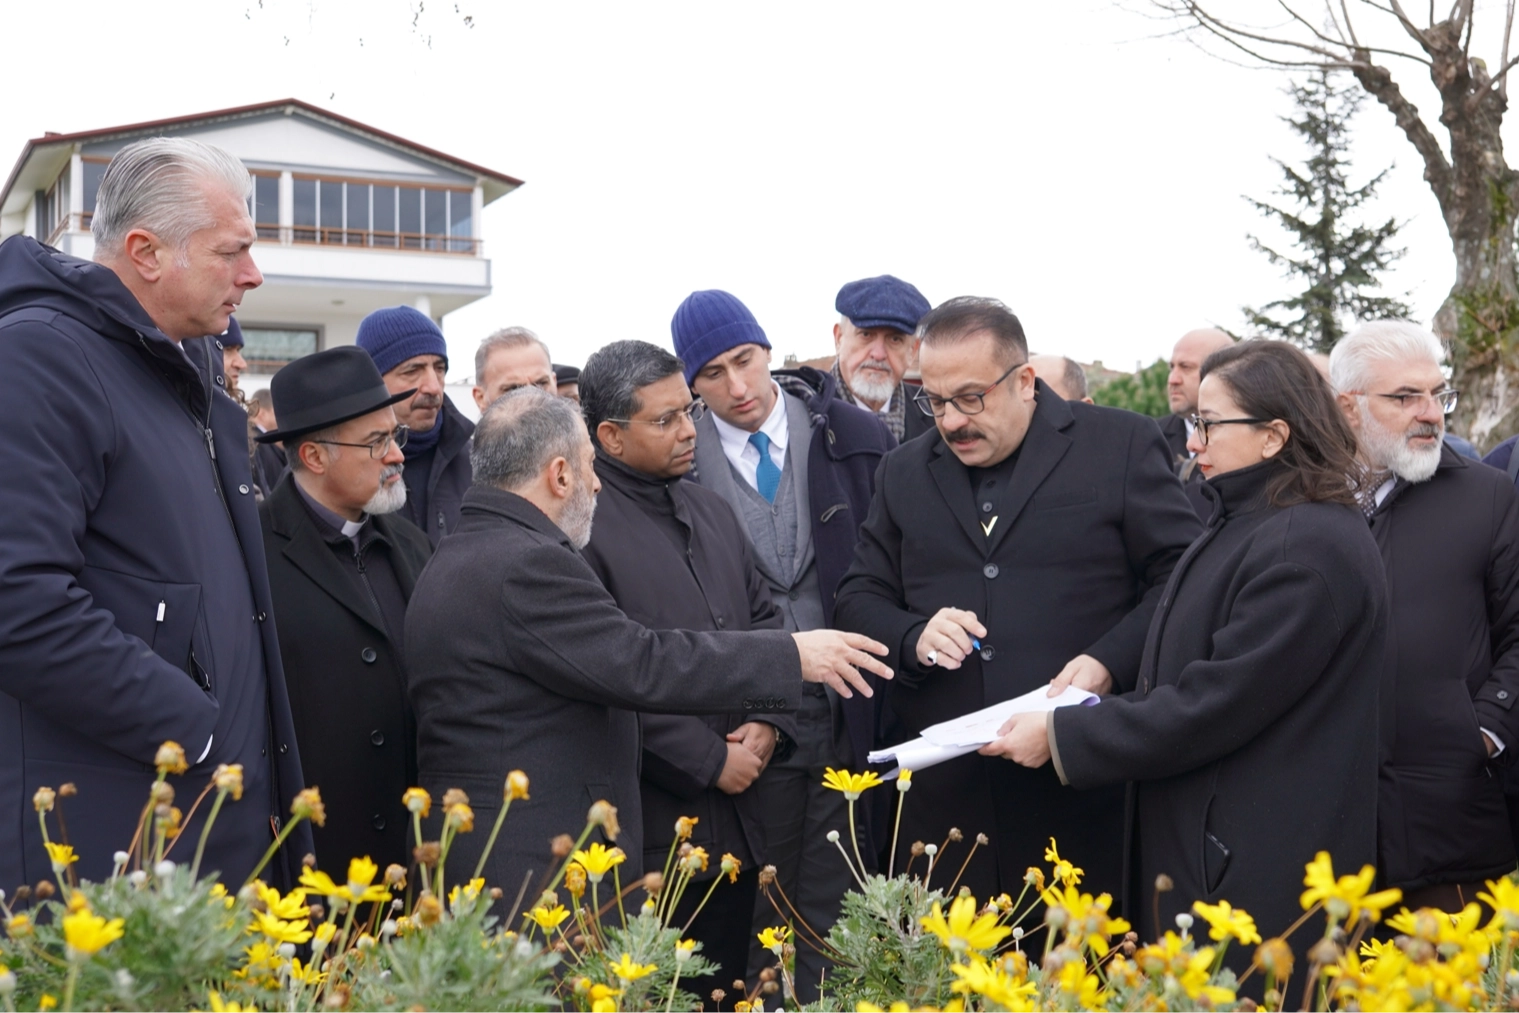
{"x": 179, "y": 634}
{"x": 1455, "y": 825}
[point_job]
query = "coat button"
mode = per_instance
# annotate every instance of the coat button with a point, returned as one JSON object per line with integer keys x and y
{"x": 262, "y": 616}
{"x": 986, "y": 508}
{"x": 780, "y": 703}
{"x": 221, "y": 382}
{"x": 377, "y": 737}
{"x": 284, "y": 748}
{"x": 368, "y": 655}
{"x": 793, "y": 595}
{"x": 378, "y": 821}
{"x": 721, "y": 623}
{"x": 221, "y": 346}
{"x": 988, "y": 653}
{"x": 1503, "y": 694}
{"x": 243, "y": 489}
{"x": 990, "y": 570}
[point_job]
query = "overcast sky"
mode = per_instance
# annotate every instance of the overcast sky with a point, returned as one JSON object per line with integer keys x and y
{"x": 1065, "y": 157}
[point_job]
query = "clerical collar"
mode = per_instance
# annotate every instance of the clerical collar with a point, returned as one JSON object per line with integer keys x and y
{"x": 338, "y": 523}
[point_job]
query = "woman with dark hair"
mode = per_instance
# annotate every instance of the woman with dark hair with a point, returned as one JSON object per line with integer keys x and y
{"x": 1249, "y": 734}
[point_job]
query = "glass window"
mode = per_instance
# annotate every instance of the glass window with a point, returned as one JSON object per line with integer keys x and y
{"x": 266, "y": 206}
{"x": 459, "y": 208}
{"x": 269, "y": 348}
{"x": 411, "y": 218}
{"x": 436, "y": 216}
{"x": 358, "y": 212}
{"x": 385, "y": 215}
{"x": 304, "y": 210}
{"x": 330, "y": 202}
{"x": 93, "y": 171}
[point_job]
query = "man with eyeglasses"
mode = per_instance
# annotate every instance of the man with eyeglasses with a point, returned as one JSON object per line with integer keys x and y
{"x": 1448, "y": 529}
{"x": 796, "y": 462}
{"x": 1028, "y": 537}
{"x": 673, "y": 556}
{"x": 342, "y": 565}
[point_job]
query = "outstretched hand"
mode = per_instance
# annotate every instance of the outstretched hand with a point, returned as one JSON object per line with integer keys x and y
{"x": 834, "y": 658}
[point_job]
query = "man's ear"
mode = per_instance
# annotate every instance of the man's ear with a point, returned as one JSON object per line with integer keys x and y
{"x": 838, "y": 337}
{"x": 561, "y": 478}
{"x": 479, "y": 395}
{"x": 1352, "y": 412}
{"x": 609, "y": 435}
{"x": 313, "y": 456}
{"x": 145, "y": 252}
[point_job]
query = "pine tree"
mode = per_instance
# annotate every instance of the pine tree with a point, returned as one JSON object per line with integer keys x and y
{"x": 1144, "y": 392}
{"x": 1340, "y": 258}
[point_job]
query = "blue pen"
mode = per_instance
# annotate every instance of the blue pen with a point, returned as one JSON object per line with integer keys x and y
{"x": 975, "y": 643}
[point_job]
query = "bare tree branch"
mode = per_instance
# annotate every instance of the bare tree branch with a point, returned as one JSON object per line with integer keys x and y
{"x": 1232, "y": 33}
{"x": 1508, "y": 31}
{"x": 1437, "y": 168}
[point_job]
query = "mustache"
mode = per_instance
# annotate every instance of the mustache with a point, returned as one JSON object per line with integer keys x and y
{"x": 391, "y": 470}
{"x": 427, "y": 401}
{"x": 967, "y": 434}
{"x": 1422, "y": 429}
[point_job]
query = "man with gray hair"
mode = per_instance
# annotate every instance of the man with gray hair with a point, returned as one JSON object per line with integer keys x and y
{"x": 134, "y": 598}
{"x": 520, "y": 658}
{"x": 510, "y": 358}
{"x": 1449, "y": 534}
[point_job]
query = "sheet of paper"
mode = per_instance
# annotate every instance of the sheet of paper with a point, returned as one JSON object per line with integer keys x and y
{"x": 917, "y": 755}
{"x": 977, "y": 729}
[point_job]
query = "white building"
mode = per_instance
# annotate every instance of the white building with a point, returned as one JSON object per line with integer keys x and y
{"x": 349, "y": 218}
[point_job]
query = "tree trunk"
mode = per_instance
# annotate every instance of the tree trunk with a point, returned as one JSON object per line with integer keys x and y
{"x": 1476, "y": 189}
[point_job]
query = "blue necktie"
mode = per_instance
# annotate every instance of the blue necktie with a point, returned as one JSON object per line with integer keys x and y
{"x": 767, "y": 479}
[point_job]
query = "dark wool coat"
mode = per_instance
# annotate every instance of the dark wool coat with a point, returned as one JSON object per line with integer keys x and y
{"x": 518, "y": 658}
{"x": 134, "y": 602}
{"x": 346, "y": 678}
{"x": 710, "y": 585}
{"x": 1251, "y": 734}
{"x": 1451, "y": 546}
{"x": 1087, "y": 533}
{"x": 448, "y": 477}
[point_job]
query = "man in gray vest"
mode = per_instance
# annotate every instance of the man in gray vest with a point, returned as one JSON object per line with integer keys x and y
{"x": 797, "y": 464}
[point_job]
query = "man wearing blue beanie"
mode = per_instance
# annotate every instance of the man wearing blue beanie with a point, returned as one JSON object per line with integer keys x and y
{"x": 409, "y": 351}
{"x": 797, "y": 464}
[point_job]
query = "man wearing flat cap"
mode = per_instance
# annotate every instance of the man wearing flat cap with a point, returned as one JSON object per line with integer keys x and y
{"x": 875, "y": 342}
{"x": 342, "y": 565}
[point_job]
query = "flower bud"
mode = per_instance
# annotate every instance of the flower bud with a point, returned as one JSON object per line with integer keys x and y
{"x": 44, "y": 890}
{"x": 388, "y": 928}
{"x": 1163, "y": 884}
{"x": 121, "y": 858}
{"x": 427, "y": 854}
{"x": 904, "y": 780}
{"x": 429, "y": 910}
{"x": 18, "y": 926}
{"x": 137, "y": 878}
{"x": 43, "y": 799}
{"x": 930, "y": 850}
{"x": 67, "y": 790}
{"x": 454, "y": 796}
{"x": 516, "y": 786}
{"x": 833, "y": 837}
{"x": 395, "y": 876}
{"x": 917, "y": 848}
{"x": 308, "y": 805}
{"x": 7, "y": 981}
{"x": 164, "y": 869}
{"x": 365, "y": 942}
{"x": 417, "y": 801}
{"x": 308, "y": 861}
{"x": 604, "y": 815}
{"x": 170, "y": 759}
{"x": 286, "y": 950}
{"x": 955, "y": 836}
{"x": 461, "y": 817}
{"x": 229, "y": 778}
{"x": 561, "y": 846}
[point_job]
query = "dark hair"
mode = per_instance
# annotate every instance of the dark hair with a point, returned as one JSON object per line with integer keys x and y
{"x": 611, "y": 377}
{"x": 1275, "y": 380}
{"x": 964, "y": 315}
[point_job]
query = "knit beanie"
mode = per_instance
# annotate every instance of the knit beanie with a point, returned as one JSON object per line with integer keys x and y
{"x": 710, "y": 323}
{"x": 233, "y": 337}
{"x": 397, "y": 333}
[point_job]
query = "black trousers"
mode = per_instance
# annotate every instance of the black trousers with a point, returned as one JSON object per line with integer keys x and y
{"x": 722, "y": 928}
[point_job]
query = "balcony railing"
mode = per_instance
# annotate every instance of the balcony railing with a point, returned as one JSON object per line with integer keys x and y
{"x": 308, "y": 235}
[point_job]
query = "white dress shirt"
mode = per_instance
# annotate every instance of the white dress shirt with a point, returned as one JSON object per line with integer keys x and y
{"x": 745, "y": 455}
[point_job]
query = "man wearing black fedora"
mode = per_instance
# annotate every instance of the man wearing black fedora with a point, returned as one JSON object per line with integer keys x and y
{"x": 342, "y": 564}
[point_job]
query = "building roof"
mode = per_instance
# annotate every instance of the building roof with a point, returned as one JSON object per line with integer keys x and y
{"x": 41, "y": 157}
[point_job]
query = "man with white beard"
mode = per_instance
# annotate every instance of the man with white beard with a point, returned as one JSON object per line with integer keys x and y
{"x": 876, "y": 343}
{"x": 1448, "y": 529}
{"x": 342, "y": 565}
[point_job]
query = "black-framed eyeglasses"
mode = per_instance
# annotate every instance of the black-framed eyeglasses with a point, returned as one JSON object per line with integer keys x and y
{"x": 693, "y": 411}
{"x": 378, "y": 448}
{"x": 965, "y": 404}
{"x": 1414, "y": 403}
{"x": 1202, "y": 425}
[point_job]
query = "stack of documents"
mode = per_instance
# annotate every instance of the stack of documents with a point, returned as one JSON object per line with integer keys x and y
{"x": 949, "y": 739}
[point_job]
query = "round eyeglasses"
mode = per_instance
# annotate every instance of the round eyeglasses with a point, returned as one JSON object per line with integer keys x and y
{"x": 378, "y": 448}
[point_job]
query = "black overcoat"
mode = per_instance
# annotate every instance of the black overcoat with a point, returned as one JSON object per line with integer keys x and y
{"x": 1086, "y": 535}
{"x": 134, "y": 600}
{"x": 1451, "y": 547}
{"x": 448, "y": 477}
{"x": 1251, "y": 735}
{"x": 711, "y": 585}
{"x": 347, "y": 688}
{"x": 518, "y": 658}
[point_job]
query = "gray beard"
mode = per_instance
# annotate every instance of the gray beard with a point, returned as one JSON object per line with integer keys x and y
{"x": 578, "y": 514}
{"x": 872, "y": 385}
{"x": 1390, "y": 451}
{"x": 388, "y": 498}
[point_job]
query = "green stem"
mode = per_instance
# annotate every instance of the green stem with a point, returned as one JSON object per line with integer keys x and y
{"x": 617, "y": 882}
{"x": 670, "y": 1003}
{"x": 854, "y": 840}
{"x": 563, "y": 866}
{"x": 847, "y": 862}
{"x": 490, "y": 842}
{"x": 891, "y": 860}
{"x": 273, "y": 848}
{"x": 710, "y": 890}
{"x": 205, "y": 832}
{"x": 449, "y": 833}
{"x": 71, "y": 984}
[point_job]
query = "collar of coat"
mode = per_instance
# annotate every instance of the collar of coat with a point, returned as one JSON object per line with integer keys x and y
{"x": 1449, "y": 461}
{"x": 1240, "y": 491}
{"x": 657, "y": 493}
{"x": 487, "y": 506}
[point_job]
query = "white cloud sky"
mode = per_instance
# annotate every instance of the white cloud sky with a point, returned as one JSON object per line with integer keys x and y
{"x": 1060, "y": 157}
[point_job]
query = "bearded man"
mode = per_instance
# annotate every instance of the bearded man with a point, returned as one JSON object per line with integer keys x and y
{"x": 1449, "y": 534}
{"x": 342, "y": 565}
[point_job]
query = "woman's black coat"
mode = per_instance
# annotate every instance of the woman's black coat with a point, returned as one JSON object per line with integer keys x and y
{"x": 1251, "y": 739}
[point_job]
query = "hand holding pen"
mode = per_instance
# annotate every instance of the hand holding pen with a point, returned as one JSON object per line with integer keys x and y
{"x": 949, "y": 638}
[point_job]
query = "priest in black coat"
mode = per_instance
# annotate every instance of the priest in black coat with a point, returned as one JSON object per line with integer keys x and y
{"x": 518, "y": 658}
{"x": 1042, "y": 529}
{"x": 342, "y": 563}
